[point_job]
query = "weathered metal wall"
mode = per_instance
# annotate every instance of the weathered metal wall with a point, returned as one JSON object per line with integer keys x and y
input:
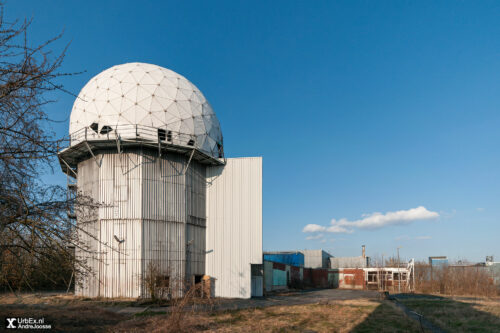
{"x": 120, "y": 182}
{"x": 120, "y": 265}
{"x": 316, "y": 259}
{"x": 151, "y": 210}
{"x": 293, "y": 258}
{"x": 234, "y": 225}
{"x": 87, "y": 252}
{"x": 196, "y": 191}
{"x": 279, "y": 279}
{"x": 348, "y": 262}
{"x": 164, "y": 212}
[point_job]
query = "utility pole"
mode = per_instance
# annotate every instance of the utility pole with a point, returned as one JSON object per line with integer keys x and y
{"x": 399, "y": 273}
{"x": 382, "y": 273}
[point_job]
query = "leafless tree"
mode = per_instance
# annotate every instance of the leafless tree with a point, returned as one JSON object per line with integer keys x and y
{"x": 34, "y": 227}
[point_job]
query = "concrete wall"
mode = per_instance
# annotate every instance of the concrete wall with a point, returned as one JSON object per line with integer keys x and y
{"x": 234, "y": 225}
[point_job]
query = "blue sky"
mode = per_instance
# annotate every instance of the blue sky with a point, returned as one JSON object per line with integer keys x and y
{"x": 356, "y": 107}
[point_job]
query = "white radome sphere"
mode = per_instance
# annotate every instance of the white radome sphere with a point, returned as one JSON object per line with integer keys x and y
{"x": 150, "y": 96}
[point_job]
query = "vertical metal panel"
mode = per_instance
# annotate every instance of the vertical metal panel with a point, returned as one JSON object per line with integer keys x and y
{"x": 164, "y": 213}
{"x": 234, "y": 225}
{"x": 120, "y": 270}
{"x": 174, "y": 197}
{"x": 196, "y": 218}
{"x": 120, "y": 183}
{"x": 294, "y": 259}
{"x": 257, "y": 286}
{"x": 164, "y": 188}
{"x": 316, "y": 259}
{"x": 155, "y": 206}
{"x": 164, "y": 246}
{"x": 87, "y": 253}
{"x": 348, "y": 262}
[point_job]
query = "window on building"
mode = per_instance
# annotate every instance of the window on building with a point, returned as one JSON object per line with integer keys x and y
{"x": 162, "y": 134}
{"x": 372, "y": 276}
{"x": 105, "y": 129}
{"x": 94, "y": 127}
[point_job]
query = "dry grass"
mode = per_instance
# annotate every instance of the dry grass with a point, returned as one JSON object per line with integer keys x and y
{"x": 82, "y": 318}
{"x": 69, "y": 313}
{"x": 455, "y": 280}
{"x": 65, "y": 299}
{"x": 340, "y": 316}
{"x": 459, "y": 314}
{"x": 489, "y": 306}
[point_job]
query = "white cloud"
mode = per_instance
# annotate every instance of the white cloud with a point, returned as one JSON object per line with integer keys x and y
{"x": 338, "y": 229}
{"x": 313, "y": 228}
{"x": 423, "y": 237}
{"x": 314, "y": 237}
{"x": 374, "y": 221}
{"x": 480, "y": 209}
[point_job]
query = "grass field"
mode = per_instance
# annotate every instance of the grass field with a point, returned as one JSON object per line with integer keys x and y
{"x": 340, "y": 316}
{"x": 458, "y": 314}
{"x": 68, "y": 313}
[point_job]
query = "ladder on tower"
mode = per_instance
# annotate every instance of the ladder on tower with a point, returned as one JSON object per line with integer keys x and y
{"x": 71, "y": 194}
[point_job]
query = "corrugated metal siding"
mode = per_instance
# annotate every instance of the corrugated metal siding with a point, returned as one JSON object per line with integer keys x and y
{"x": 120, "y": 182}
{"x": 316, "y": 259}
{"x": 294, "y": 259}
{"x": 234, "y": 225}
{"x": 87, "y": 253}
{"x": 88, "y": 186}
{"x": 175, "y": 195}
{"x": 257, "y": 286}
{"x": 279, "y": 278}
{"x": 120, "y": 266}
{"x": 153, "y": 206}
{"x": 164, "y": 188}
{"x": 438, "y": 262}
{"x": 195, "y": 250}
{"x": 164, "y": 246}
{"x": 348, "y": 262}
{"x": 196, "y": 191}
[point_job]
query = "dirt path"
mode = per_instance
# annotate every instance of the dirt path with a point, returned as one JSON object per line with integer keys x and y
{"x": 291, "y": 298}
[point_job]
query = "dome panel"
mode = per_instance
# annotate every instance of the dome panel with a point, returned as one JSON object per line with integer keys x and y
{"x": 147, "y": 95}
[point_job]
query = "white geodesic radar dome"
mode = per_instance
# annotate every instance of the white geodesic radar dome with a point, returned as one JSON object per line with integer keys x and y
{"x": 145, "y": 96}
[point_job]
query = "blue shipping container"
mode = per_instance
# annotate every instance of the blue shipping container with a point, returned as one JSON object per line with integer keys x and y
{"x": 292, "y": 258}
{"x": 438, "y": 261}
